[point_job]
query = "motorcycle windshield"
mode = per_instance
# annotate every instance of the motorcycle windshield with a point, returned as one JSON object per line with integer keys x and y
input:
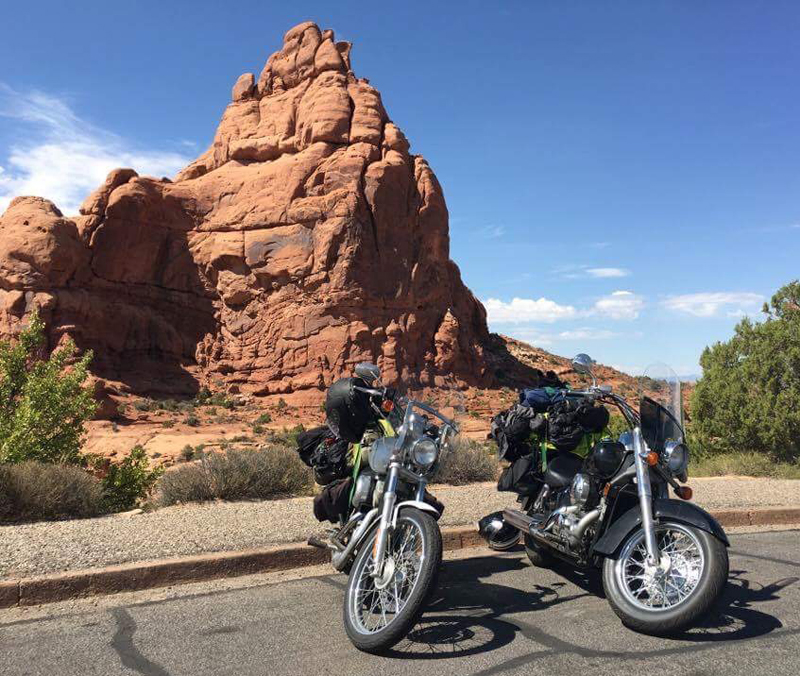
{"x": 660, "y": 407}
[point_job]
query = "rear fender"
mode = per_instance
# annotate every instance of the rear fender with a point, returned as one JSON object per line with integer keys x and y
{"x": 674, "y": 510}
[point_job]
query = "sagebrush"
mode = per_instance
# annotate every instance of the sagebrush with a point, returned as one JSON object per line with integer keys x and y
{"x": 236, "y": 474}
{"x": 33, "y": 491}
{"x": 467, "y": 461}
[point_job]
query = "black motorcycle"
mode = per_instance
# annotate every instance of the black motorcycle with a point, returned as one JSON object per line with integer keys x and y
{"x": 664, "y": 561}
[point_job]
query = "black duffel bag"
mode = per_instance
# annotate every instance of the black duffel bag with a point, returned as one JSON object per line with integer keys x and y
{"x": 324, "y": 453}
{"x": 308, "y": 441}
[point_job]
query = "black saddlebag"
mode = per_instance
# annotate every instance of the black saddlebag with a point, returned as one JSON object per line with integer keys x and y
{"x": 333, "y": 502}
{"x": 521, "y": 476}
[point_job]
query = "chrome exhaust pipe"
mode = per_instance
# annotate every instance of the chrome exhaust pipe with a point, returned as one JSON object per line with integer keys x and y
{"x": 340, "y": 559}
{"x": 577, "y": 531}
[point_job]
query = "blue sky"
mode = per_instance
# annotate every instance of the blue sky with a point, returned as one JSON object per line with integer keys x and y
{"x": 622, "y": 177}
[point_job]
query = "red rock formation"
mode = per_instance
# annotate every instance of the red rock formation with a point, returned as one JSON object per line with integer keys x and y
{"x": 304, "y": 240}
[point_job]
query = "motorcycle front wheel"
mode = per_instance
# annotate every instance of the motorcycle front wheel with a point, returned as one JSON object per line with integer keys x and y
{"x": 380, "y": 612}
{"x": 666, "y": 599}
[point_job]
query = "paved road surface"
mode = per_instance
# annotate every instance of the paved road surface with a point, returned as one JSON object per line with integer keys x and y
{"x": 494, "y": 615}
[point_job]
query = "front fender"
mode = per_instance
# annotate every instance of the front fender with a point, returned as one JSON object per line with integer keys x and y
{"x": 416, "y": 504}
{"x": 675, "y": 510}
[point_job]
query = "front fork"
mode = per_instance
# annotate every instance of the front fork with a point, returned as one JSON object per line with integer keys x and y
{"x": 645, "y": 497}
{"x": 387, "y": 514}
{"x": 385, "y": 525}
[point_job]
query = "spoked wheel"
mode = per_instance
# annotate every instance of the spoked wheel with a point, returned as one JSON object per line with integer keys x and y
{"x": 378, "y": 612}
{"x": 666, "y": 598}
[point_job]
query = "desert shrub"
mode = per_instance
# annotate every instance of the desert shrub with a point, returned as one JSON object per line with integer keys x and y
{"x": 187, "y": 452}
{"x": 44, "y": 404}
{"x": 467, "y": 461}
{"x": 192, "y": 420}
{"x": 258, "y": 429}
{"x": 281, "y": 405}
{"x": 35, "y": 491}
{"x": 236, "y": 474}
{"x": 127, "y": 483}
{"x": 264, "y": 419}
{"x": 749, "y": 396}
{"x": 741, "y": 464}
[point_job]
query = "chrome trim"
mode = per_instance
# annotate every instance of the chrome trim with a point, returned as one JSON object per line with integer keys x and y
{"x": 645, "y": 496}
{"x": 340, "y": 559}
{"x": 387, "y": 513}
{"x": 578, "y": 529}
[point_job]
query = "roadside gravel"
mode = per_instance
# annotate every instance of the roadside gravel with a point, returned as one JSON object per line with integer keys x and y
{"x": 35, "y": 549}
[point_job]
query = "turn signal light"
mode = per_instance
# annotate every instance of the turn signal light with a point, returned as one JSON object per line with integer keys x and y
{"x": 387, "y": 405}
{"x": 651, "y": 458}
{"x": 684, "y": 492}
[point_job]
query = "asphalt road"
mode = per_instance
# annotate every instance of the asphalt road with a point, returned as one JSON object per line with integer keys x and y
{"x": 494, "y": 614}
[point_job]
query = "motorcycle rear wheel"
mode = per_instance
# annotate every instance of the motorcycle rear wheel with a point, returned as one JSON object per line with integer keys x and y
{"x": 414, "y": 551}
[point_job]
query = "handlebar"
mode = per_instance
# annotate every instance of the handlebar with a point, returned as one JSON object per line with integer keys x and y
{"x": 412, "y": 402}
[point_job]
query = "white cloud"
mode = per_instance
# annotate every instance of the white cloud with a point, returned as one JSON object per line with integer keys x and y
{"x": 619, "y": 305}
{"x": 492, "y": 231}
{"x": 521, "y": 310}
{"x": 585, "y": 271}
{"x": 601, "y": 273}
{"x": 712, "y": 304}
{"x": 587, "y": 334}
{"x": 63, "y": 157}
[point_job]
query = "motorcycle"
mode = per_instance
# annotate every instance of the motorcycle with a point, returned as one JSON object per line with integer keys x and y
{"x": 664, "y": 561}
{"x": 388, "y": 539}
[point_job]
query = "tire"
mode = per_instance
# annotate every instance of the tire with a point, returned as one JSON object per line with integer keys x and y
{"x": 537, "y": 554}
{"x": 377, "y": 640}
{"x": 709, "y": 575}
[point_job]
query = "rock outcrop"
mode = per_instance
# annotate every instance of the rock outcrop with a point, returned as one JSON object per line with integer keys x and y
{"x": 306, "y": 239}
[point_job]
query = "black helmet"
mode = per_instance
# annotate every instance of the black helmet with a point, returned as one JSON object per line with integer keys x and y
{"x": 347, "y": 409}
{"x": 605, "y": 459}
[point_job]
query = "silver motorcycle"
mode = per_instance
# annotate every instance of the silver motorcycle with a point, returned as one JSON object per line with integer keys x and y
{"x": 390, "y": 541}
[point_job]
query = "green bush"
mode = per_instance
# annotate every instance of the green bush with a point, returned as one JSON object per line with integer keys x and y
{"x": 749, "y": 396}
{"x": 467, "y": 461}
{"x": 35, "y": 491}
{"x": 127, "y": 483}
{"x": 44, "y": 404}
{"x": 236, "y": 474}
{"x": 264, "y": 419}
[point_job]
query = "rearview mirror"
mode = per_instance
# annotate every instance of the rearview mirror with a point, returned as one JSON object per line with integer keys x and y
{"x": 582, "y": 363}
{"x": 368, "y": 372}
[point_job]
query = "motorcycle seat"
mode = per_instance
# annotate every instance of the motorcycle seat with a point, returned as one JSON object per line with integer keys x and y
{"x": 562, "y": 469}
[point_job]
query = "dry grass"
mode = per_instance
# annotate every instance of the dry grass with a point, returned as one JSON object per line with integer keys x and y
{"x": 468, "y": 461}
{"x": 742, "y": 464}
{"x": 33, "y": 491}
{"x": 236, "y": 474}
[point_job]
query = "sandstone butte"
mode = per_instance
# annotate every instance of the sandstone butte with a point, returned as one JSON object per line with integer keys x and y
{"x": 307, "y": 238}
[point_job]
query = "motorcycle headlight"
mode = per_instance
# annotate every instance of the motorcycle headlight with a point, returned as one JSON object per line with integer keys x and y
{"x": 424, "y": 452}
{"x": 676, "y": 457}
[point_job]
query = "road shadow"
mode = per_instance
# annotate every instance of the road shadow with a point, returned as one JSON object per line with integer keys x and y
{"x": 470, "y": 614}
